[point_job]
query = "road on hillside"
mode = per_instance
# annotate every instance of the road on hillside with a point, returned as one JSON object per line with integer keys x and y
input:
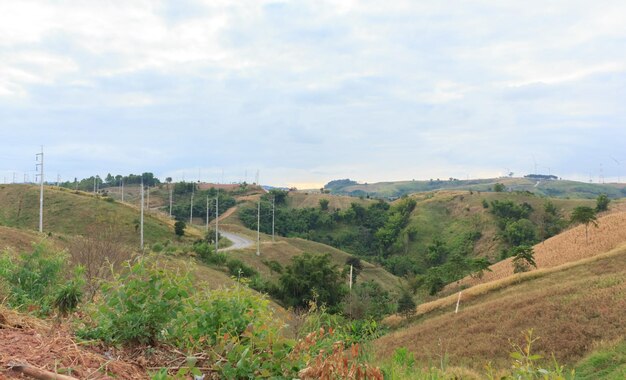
{"x": 239, "y": 242}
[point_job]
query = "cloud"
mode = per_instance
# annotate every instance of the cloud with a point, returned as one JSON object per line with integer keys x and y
{"x": 312, "y": 90}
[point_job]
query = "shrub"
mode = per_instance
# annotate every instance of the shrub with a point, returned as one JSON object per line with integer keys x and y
{"x": 137, "y": 305}
{"x": 238, "y": 268}
{"x": 406, "y": 305}
{"x": 157, "y": 247}
{"x": 179, "y": 228}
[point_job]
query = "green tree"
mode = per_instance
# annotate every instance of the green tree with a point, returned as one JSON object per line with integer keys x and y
{"x": 523, "y": 258}
{"x": 585, "y": 215}
{"x": 312, "y": 278}
{"x": 499, "y": 187}
{"x": 602, "y": 203}
{"x": 324, "y": 204}
{"x": 179, "y": 228}
{"x": 406, "y": 305}
{"x": 520, "y": 232}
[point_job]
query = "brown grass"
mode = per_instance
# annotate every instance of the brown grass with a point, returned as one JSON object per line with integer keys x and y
{"x": 302, "y": 200}
{"x": 566, "y": 247}
{"x": 571, "y": 308}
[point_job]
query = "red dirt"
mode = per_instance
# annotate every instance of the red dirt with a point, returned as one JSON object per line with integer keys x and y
{"x": 25, "y": 340}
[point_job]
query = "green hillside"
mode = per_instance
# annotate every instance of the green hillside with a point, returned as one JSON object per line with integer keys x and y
{"x": 77, "y": 213}
{"x": 551, "y": 188}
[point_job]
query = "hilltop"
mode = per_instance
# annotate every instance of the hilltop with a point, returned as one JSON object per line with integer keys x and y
{"x": 547, "y": 187}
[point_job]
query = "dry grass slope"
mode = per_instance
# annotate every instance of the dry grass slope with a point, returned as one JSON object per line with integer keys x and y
{"x": 573, "y": 308}
{"x": 568, "y": 246}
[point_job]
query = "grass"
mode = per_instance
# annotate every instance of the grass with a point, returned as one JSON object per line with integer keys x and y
{"x": 305, "y": 199}
{"x": 558, "y": 188}
{"x": 75, "y": 213}
{"x": 571, "y": 308}
{"x": 569, "y": 246}
{"x": 608, "y": 362}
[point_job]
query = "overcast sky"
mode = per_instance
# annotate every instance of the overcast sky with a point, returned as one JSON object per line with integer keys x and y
{"x": 310, "y": 91}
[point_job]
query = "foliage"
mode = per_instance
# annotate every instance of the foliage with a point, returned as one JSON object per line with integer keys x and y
{"x": 499, "y": 187}
{"x": 324, "y": 204}
{"x": 406, "y": 305}
{"x": 523, "y": 258}
{"x": 33, "y": 279}
{"x": 238, "y": 268}
{"x": 602, "y": 203}
{"x": 69, "y": 295}
{"x": 179, "y": 228}
{"x": 368, "y": 300}
{"x": 585, "y": 215}
{"x": 137, "y": 305}
{"x": 520, "y": 232}
{"x": 312, "y": 278}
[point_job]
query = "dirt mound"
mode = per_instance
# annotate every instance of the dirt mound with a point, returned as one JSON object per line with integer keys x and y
{"x": 27, "y": 340}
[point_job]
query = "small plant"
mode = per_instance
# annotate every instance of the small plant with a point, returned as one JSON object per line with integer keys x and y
{"x": 69, "y": 295}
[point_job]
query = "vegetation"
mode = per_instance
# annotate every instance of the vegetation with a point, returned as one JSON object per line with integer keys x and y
{"x": 602, "y": 203}
{"x": 585, "y": 215}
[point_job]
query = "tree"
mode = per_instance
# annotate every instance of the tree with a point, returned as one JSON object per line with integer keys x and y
{"x": 179, "y": 228}
{"x": 406, "y": 305}
{"x": 324, "y": 204}
{"x": 585, "y": 215}
{"x": 520, "y": 232}
{"x": 499, "y": 187}
{"x": 602, "y": 203}
{"x": 523, "y": 258}
{"x": 312, "y": 278}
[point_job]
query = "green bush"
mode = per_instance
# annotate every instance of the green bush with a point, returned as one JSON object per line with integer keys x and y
{"x": 70, "y": 294}
{"x": 238, "y": 268}
{"x": 137, "y": 305}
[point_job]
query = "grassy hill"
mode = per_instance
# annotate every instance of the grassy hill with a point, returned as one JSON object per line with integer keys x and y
{"x": 77, "y": 213}
{"x": 551, "y": 188}
{"x": 574, "y": 309}
{"x": 574, "y": 301}
{"x": 451, "y": 216}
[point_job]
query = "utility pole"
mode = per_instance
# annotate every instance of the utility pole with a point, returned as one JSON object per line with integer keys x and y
{"x": 217, "y": 220}
{"x": 170, "y": 186}
{"x": 191, "y": 206}
{"x": 39, "y": 158}
{"x": 258, "y": 229}
{"x": 141, "y": 220}
{"x": 207, "y": 213}
{"x": 273, "y": 215}
{"x": 122, "y": 189}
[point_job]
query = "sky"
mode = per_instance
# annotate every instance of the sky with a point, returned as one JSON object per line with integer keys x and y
{"x": 305, "y": 92}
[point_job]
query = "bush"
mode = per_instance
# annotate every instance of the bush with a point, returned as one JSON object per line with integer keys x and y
{"x": 157, "y": 247}
{"x": 238, "y": 268}
{"x": 138, "y": 305}
{"x": 179, "y": 228}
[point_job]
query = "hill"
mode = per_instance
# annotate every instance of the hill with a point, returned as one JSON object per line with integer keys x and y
{"x": 573, "y": 308}
{"x": 283, "y": 249}
{"x": 70, "y": 212}
{"x": 552, "y": 188}
{"x": 573, "y": 302}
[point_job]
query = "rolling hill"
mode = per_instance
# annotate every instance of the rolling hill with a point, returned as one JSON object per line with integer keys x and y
{"x": 70, "y": 212}
{"x": 551, "y": 188}
{"x": 574, "y": 304}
